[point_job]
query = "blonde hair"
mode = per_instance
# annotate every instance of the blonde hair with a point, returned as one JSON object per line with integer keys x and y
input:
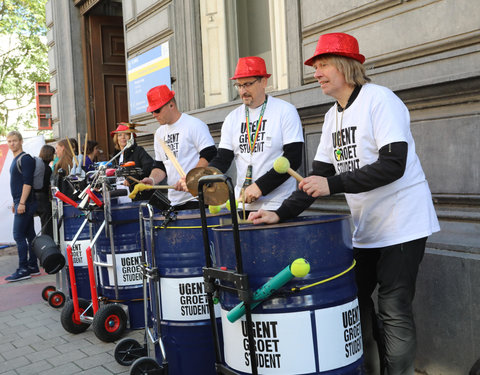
{"x": 353, "y": 71}
{"x": 115, "y": 140}
{"x": 15, "y": 133}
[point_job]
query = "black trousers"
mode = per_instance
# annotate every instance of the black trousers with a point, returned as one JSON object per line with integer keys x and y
{"x": 389, "y": 335}
{"x": 44, "y": 211}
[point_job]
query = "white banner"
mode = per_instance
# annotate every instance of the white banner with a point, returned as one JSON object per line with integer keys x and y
{"x": 128, "y": 269}
{"x": 79, "y": 252}
{"x": 31, "y": 146}
{"x": 284, "y": 343}
{"x": 184, "y": 299}
{"x": 339, "y": 335}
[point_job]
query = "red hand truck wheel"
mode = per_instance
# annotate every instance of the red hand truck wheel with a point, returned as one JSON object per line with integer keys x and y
{"x": 68, "y": 320}
{"x": 45, "y": 292}
{"x": 109, "y": 322}
{"x": 56, "y": 299}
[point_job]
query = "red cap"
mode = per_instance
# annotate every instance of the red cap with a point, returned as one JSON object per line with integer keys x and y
{"x": 158, "y": 97}
{"x": 123, "y": 129}
{"x": 337, "y": 44}
{"x": 251, "y": 66}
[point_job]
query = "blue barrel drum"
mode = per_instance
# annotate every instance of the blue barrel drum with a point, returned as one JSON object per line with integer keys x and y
{"x": 313, "y": 331}
{"x": 127, "y": 250}
{"x": 73, "y": 218}
{"x": 182, "y": 305}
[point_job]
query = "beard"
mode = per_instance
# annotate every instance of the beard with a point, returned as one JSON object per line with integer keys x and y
{"x": 247, "y": 99}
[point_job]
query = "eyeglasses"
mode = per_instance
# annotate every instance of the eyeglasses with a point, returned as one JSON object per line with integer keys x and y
{"x": 157, "y": 111}
{"x": 245, "y": 85}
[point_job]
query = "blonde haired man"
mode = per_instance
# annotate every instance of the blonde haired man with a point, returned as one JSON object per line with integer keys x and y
{"x": 24, "y": 207}
{"x": 367, "y": 152}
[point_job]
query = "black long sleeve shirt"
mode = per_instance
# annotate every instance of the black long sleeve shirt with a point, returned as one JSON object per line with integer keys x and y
{"x": 270, "y": 180}
{"x": 389, "y": 167}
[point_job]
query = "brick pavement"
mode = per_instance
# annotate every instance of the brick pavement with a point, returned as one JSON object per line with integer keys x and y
{"x": 32, "y": 339}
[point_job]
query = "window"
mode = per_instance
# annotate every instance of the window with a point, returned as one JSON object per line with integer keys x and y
{"x": 236, "y": 29}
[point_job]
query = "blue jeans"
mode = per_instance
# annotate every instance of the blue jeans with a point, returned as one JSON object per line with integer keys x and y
{"x": 389, "y": 335}
{"x": 23, "y": 231}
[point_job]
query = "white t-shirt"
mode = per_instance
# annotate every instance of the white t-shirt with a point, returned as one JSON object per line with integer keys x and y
{"x": 281, "y": 125}
{"x": 186, "y": 138}
{"x": 398, "y": 212}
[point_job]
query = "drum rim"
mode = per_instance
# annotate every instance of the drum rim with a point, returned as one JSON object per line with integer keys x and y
{"x": 290, "y": 224}
{"x": 188, "y": 216}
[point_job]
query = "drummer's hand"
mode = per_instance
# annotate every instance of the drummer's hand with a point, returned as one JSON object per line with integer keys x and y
{"x": 183, "y": 184}
{"x": 263, "y": 217}
{"x": 126, "y": 183}
{"x": 252, "y": 193}
{"x": 148, "y": 181}
{"x": 315, "y": 186}
{"x": 179, "y": 186}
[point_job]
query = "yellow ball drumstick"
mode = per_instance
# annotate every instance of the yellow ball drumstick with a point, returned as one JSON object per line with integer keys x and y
{"x": 282, "y": 165}
{"x": 140, "y": 187}
{"x": 229, "y": 208}
{"x": 217, "y": 209}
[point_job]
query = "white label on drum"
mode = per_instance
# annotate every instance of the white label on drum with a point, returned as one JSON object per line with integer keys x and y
{"x": 184, "y": 299}
{"x": 128, "y": 269}
{"x": 79, "y": 252}
{"x": 339, "y": 335}
{"x": 283, "y": 342}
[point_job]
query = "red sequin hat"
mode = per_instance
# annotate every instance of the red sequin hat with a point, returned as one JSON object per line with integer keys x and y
{"x": 337, "y": 44}
{"x": 251, "y": 66}
{"x": 158, "y": 97}
{"x": 123, "y": 128}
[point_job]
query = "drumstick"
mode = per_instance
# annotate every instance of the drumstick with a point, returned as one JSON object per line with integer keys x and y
{"x": 172, "y": 158}
{"x": 85, "y": 149}
{"x": 73, "y": 152}
{"x": 243, "y": 203}
{"x": 282, "y": 165}
{"x": 241, "y": 198}
{"x": 80, "y": 148}
{"x": 151, "y": 186}
{"x": 134, "y": 179}
{"x": 140, "y": 187}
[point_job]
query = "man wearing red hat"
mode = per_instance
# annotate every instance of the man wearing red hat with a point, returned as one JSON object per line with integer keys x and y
{"x": 255, "y": 134}
{"x": 367, "y": 152}
{"x": 187, "y": 137}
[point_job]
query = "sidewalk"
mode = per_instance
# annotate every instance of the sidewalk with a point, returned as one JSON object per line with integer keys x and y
{"x": 32, "y": 339}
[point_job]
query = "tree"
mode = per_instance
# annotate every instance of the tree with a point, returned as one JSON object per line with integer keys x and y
{"x": 23, "y": 60}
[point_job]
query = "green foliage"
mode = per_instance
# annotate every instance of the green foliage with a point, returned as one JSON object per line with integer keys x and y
{"x": 23, "y": 59}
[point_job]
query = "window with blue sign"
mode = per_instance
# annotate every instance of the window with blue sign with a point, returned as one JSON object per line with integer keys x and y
{"x": 145, "y": 71}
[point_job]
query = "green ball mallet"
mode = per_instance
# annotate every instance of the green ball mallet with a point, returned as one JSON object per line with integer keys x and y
{"x": 299, "y": 268}
{"x": 282, "y": 165}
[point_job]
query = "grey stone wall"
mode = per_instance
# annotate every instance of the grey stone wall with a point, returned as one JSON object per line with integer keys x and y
{"x": 66, "y": 69}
